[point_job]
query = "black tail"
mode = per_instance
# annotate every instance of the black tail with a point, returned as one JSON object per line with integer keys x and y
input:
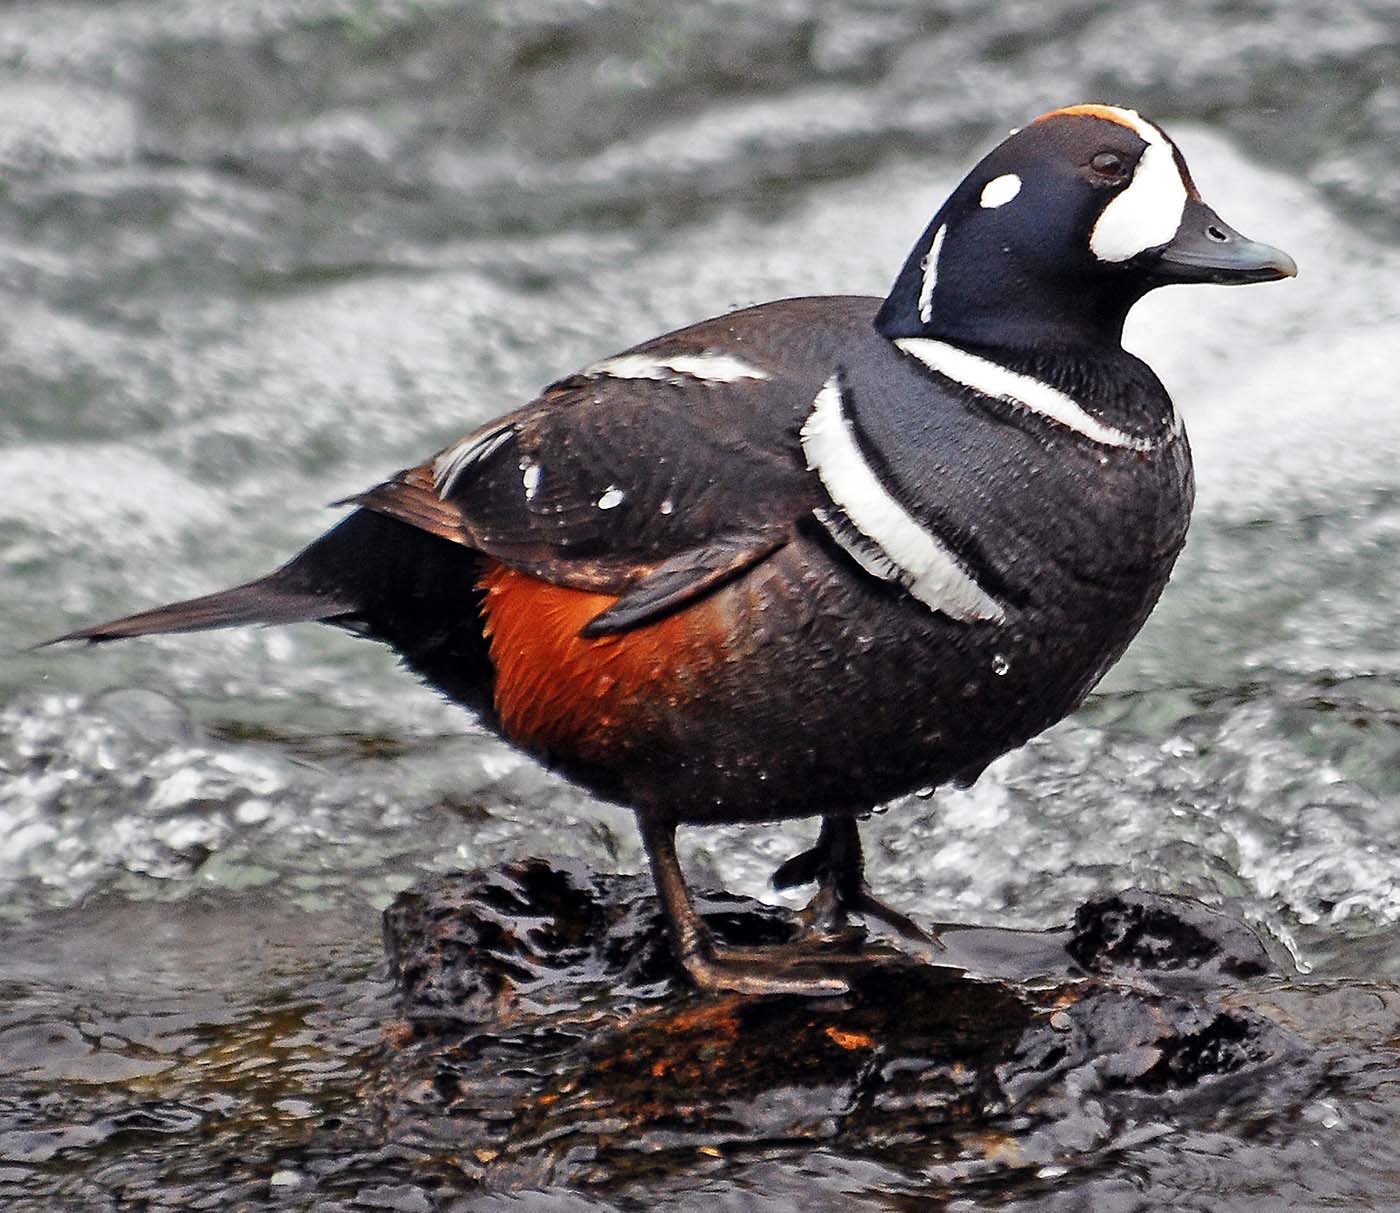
{"x": 267, "y": 600}
{"x": 375, "y": 575}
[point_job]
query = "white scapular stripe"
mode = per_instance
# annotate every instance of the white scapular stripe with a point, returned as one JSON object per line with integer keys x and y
{"x": 455, "y": 460}
{"x": 709, "y": 366}
{"x": 898, "y": 547}
{"x": 1147, "y": 213}
{"x": 931, "y": 274}
{"x": 992, "y": 379}
{"x": 1000, "y": 190}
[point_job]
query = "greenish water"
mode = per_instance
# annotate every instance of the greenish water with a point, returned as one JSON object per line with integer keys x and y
{"x": 255, "y": 256}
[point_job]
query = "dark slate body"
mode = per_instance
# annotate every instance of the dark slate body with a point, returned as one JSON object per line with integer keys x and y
{"x": 835, "y": 691}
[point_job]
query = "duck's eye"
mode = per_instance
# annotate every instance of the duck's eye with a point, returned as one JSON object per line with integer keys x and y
{"x": 1109, "y": 164}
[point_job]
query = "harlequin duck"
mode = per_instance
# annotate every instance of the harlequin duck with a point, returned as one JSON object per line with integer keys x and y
{"x": 806, "y": 557}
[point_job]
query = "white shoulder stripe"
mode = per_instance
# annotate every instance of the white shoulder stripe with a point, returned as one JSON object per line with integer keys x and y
{"x": 993, "y": 379}
{"x": 898, "y": 547}
{"x": 455, "y": 460}
{"x": 709, "y": 366}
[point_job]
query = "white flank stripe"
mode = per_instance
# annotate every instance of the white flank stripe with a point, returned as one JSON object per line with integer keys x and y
{"x": 931, "y": 274}
{"x": 992, "y": 379}
{"x": 449, "y": 465}
{"x": 1147, "y": 213}
{"x": 708, "y": 366}
{"x": 907, "y": 552}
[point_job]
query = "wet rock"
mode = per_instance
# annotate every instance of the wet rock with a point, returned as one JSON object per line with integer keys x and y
{"x": 548, "y": 1038}
{"x": 1162, "y": 937}
{"x": 1146, "y": 1056}
{"x": 532, "y": 936}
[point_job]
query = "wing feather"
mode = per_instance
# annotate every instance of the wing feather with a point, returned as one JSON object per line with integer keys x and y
{"x": 655, "y": 476}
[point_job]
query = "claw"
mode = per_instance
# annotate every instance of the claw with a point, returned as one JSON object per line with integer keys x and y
{"x": 837, "y": 863}
{"x": 803, "y": 967}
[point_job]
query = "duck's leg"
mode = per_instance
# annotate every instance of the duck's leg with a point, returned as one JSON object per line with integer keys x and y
{"x": 778, "y": 969}
{"x": 837, "y": 863}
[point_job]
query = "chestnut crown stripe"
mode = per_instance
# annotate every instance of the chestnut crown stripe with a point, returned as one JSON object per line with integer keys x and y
{"x": 875, "y": 529}
{"x": 1096, "y": 109}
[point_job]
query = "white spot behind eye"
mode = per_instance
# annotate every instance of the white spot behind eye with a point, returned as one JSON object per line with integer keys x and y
{"x": 612, "y": 497}
{"x": 1000, "y": 190}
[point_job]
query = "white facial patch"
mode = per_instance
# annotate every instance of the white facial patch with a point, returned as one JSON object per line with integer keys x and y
{"x": 1148, "y": 212}
{"x": 709, "y": 366}
{"x": 882, "y": 536}
{"x": 1000, "y": 190}
{"x": 991, "y": 379}
{"x": 931, "y": 275}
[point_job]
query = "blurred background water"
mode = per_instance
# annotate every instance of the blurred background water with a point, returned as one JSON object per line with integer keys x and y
{"x": 255, "y": 256}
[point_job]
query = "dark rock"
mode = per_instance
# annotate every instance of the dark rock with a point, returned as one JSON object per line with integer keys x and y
{"x": 1156, "y": 936}
{"x": 548, "y": 1038}
{"x": 537, "y": 936}
{"x": 1133, "y": 1050}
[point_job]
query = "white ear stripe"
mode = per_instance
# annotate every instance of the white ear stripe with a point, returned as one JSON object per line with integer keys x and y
{"x": 1147, "y": 213}
{"x": 931, "y": 275}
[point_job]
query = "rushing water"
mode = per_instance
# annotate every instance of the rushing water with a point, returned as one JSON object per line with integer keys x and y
{"x": 255, "y": 256}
